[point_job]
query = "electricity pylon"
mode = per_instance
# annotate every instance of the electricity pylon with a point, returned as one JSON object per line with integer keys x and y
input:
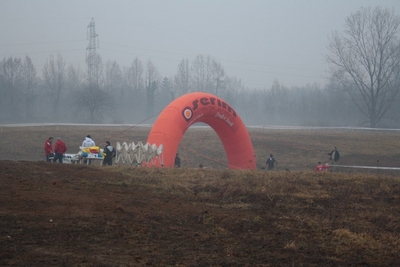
{"x": 91, "y": 50}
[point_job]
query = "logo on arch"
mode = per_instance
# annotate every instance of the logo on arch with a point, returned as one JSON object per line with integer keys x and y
{"x": 187, "y": 113}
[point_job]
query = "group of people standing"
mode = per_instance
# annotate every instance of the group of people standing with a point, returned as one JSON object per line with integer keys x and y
{"x": 109, "y": 150}
{"x": 334, "y": 156}
{"x": 60, "y": 148}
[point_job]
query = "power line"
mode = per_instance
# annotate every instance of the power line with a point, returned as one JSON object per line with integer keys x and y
{"x": 41, "y": 43}
{"x": 225, "y": 67}
{"x": 226, "y": 60}
{"x": 43, "y": 52}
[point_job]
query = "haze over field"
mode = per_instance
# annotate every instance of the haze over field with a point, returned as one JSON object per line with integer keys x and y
{"x": 256, "y": 41}
{"x": 286, "y": 63}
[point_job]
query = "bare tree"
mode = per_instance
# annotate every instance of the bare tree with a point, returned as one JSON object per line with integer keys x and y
{"x": 183, "y": 78}
{"x": 93, "y": 104}
{"x": 207, "y": 75}
{"x": 218, "y": 76}
{"x": 29, "y": 81}
{"x": 277, "y": 101}
{"x": 95, "y": 71}
{"x": 135, "y": 75}
{"x": 113, "y": 77}
{"x": 74, "y": 79}
{"x": 11, "y": 81}
{"x": 201, "y": 73}
{"x": 54, "y": 75}
{"x": 234, "y": 88}
{"x": 131, "y": 97}
{"x": 114, "y": 85}
{"x": 166, "y": 88}
{"x": 152, "y": 82}
{"x": 365, "y": 60}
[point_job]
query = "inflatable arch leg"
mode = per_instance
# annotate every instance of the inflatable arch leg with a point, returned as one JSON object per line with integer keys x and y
{"x": 191, "y": 108}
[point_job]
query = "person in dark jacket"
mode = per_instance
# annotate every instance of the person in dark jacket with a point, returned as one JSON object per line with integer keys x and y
{"x": 109, "y": 150}
{"x": 48, "y": 148}
{"x": 59, "y": 149}
{"x": 177, "y": 163}
{"x": 334, "y": 156}
{"x": 270, "y": 162}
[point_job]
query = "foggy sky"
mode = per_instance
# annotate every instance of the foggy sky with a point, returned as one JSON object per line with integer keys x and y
{"x": 256, "y": 41}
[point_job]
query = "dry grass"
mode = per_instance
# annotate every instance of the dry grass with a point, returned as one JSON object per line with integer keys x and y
{"x": 336, "y": 218}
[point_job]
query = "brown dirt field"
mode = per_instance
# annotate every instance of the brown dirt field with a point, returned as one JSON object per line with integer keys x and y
{"x": 79, "y": 215}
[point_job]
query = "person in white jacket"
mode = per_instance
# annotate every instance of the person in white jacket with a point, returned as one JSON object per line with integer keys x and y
{"x": 88, "y": 141}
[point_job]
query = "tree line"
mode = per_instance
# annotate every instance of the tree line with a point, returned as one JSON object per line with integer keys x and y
{"x": 363, "y": 87}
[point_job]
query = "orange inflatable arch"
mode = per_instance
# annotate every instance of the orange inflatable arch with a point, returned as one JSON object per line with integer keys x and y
{"x": 189, "y": 109}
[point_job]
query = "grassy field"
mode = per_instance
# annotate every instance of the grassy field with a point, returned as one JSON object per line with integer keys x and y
{"x": 293, "y": 149}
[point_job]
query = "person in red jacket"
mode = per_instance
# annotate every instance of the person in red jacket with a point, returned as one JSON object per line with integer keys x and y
{"x": 59, "y": 149}
{"x": 48, "y": 148}
{"x": 320, "y": 167}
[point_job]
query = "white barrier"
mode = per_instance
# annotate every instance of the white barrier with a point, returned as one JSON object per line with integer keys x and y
{"x": 368, "y": 167}
{"x": 136, "y": 154}
{"x": 71, "y": 158}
